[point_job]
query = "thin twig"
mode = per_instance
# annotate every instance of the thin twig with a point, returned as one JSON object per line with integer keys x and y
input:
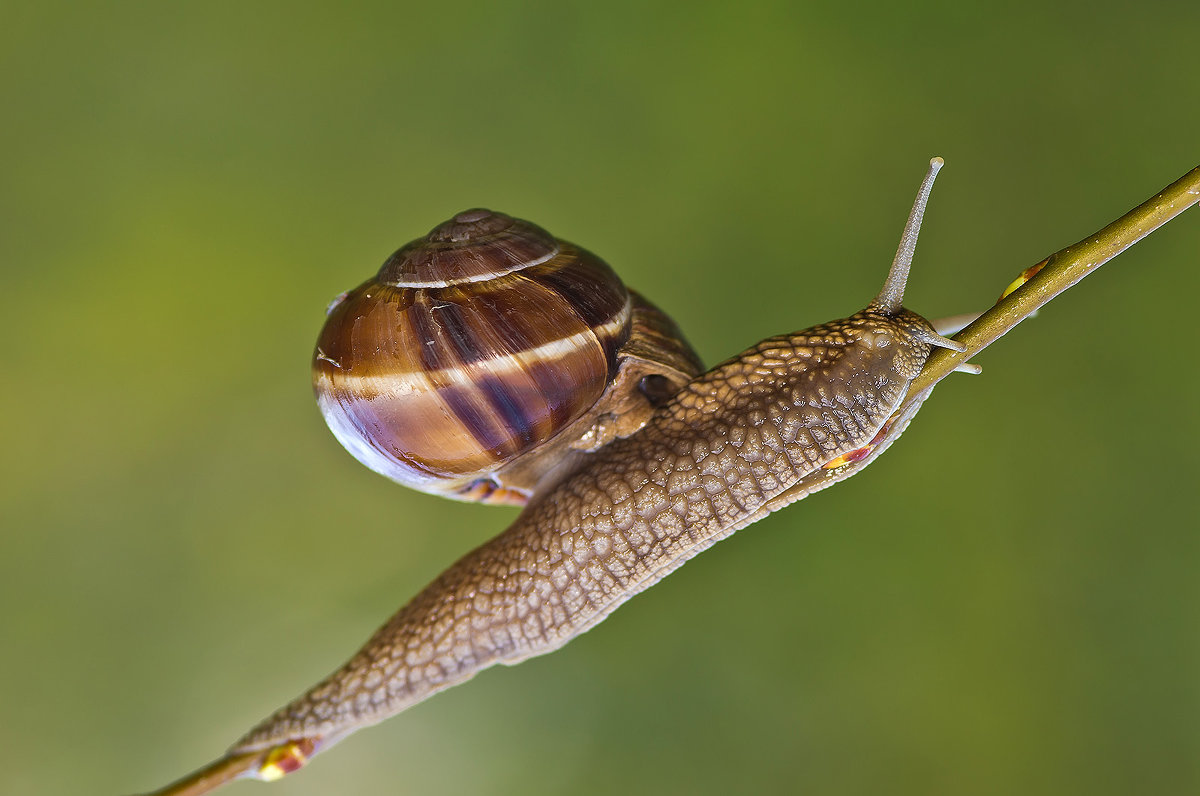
{"x": 1061, "y": 270}
{"x": 212, "y": 776}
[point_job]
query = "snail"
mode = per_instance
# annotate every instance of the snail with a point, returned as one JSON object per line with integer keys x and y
{"x": 446, "y": 372}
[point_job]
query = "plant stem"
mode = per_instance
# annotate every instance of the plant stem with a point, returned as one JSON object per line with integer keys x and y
{"x": 1061, "y": 270}
{"x": 212, "y": 776}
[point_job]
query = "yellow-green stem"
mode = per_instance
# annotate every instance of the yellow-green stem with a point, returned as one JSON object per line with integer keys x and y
{"x": 1062, "y": 270}
{"x": 212, "y": 776}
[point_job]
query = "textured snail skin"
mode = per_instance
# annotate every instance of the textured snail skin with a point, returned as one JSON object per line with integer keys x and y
{"x": 753, "y": 434}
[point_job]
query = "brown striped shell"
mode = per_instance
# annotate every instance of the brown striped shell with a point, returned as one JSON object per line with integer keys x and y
{"x": 488, "y": 356}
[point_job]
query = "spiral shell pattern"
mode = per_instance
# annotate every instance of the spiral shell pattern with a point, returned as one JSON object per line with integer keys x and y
{"x": 472, "y": 346}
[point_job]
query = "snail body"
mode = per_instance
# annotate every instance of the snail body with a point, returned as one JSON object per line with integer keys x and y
{"x": 702, "y": 468}
{"x": 785, "y": 418}
{"x": 654, "y": 465}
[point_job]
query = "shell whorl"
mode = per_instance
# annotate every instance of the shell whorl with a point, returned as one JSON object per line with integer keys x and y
{"x": 472, "y": 346}
{"x": 474, "y": 246}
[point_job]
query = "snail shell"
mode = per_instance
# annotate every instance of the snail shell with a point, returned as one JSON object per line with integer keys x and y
{"x": 489, "y": 356}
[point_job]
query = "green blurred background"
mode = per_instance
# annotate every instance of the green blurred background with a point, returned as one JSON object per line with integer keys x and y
{"x": 1007, "y": 602}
